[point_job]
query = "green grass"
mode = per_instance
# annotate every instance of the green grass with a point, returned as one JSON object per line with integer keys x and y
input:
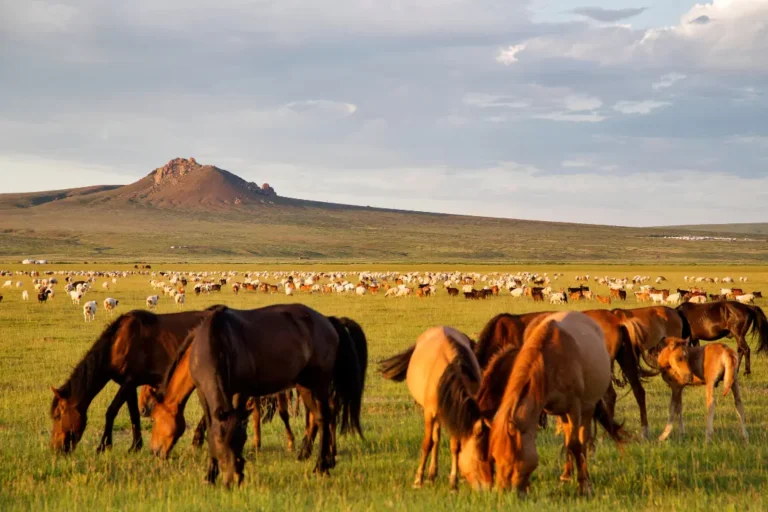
{"x": 39, "y": 345}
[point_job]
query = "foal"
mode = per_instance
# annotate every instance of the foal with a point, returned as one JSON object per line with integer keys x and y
{"x": 683, "y": 365}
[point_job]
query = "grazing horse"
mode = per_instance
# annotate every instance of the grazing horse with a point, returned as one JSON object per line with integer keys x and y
{"x": 563, "y": 369}
{"x": 423, "y": 365}
{"x": 501, "y": 331}
{"x": 169, "y": 402}
{"x": 239, "y": 354}
{"x": 715, "y": 320}
{"x": 683, "y": 365}
{"x": 132, "y": 351}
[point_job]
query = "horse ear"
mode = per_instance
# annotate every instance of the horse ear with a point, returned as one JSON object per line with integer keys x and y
{"x": 56, "y": 393}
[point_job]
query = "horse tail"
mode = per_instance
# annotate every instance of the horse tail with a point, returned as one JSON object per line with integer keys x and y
{"x": 349, "y": 374}
{"x": 396, "y": 367}
{"x": 686, "y": 325}
{"x": 633, "y": 335}
{"x": 730, "y": 361}
{"x": 760, "y": 327}
{"x": 615, "y": 430}
{"x": 456, "y": 406}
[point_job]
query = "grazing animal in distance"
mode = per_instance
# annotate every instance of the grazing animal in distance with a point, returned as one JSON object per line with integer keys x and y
{"x": 698, "y": 299}
{"x": 110, "y": 304}
{"x": 152, "y": 301}
{"x": 422, "y": 366}
{"x": 603, "y": 300}
{"x": 179, "y": 300}
{"x": 682, "y": 365}
{"x": 75, "y": 296}
{"x": 89, "y": 311}
{"x": 452, "y": 292}
{"x": 25, "y": 295}
{"x": 747, "y": 298}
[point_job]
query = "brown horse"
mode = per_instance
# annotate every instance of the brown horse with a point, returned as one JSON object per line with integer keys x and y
{"x": 423, "y": 365}
{"x": 683, "y": 365}
{"x": 502, "y": 331}
{"x": 133, "y": 350}
{"x": 712, "y": 321}
{"x": 170, "y": 399}
{"x": 238, "y": 354}
{"x": 564, "y": 369}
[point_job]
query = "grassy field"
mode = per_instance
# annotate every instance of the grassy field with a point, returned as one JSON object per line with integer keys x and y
{"x": 40, "y": 344}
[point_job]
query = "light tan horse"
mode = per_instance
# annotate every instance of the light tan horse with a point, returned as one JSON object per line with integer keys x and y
{"x": 563, "y": 369}
{"x": 683, "y": 365}
{"x": 423, "y": 366}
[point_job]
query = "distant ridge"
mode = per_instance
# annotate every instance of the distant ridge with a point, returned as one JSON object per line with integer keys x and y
{"x": 187, "y": 211}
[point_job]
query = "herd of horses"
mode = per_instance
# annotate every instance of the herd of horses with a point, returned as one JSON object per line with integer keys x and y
{"x": 491, "y": 395}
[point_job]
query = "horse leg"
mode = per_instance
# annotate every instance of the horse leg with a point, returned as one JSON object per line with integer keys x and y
{"x": 580, "y": 453}
{"x": 133, "y": 410}
{"x": 566, "y": 423}
{"x": 426, "y": 447}
{"x": 322, "y": 420}
{"x": 710, "y": 411}
{"x": 629, "y": 366}
{"x": 213, "y": 463}
{"x": 112, "y": 410}
{"x": 673, "y": 408}
{"x": 739, "y": 409}
{"x": 310, "y": 430}
{"x": 455, "y": 448}
{"x": 257, "y": 424}
{"x": 432, "y": 475}
{"x": 199, "y": 437}
{"x": 744, "y": 348}
{"x": 610, "y": 400}
{"x": 282, "y": 409}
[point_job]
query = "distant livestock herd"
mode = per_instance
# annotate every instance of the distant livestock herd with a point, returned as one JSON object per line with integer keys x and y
{"x": 539, "y": 287}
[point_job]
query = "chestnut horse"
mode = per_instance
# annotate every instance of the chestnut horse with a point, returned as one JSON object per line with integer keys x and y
{"x": 132, "y": 351}
{"x": 712, "y": 321}
{"x": 423, "y": 365}
{"x": 683, "y": 365}
{"x": 238, "y": 354}
{"x": 563, "y": 369}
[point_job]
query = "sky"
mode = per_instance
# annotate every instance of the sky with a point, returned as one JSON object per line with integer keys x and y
{"x": 637, "y": 113}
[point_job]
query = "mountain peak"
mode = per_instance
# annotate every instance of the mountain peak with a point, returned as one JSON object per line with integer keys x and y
{"x": 175, "y": 169}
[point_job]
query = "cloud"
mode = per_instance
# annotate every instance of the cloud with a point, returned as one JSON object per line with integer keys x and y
{"x": 668, "y": 80}
{"x": 592, "y": 117}
{"x": 701, "y": 20}
{"x": 508, "y": 55}
{"x": 579, "y": 103}
{"x": 482, "y": 100}
{"x": 639, "y": 107}
{"x": 609, "y": 15}
{"x": 322, "y": 108}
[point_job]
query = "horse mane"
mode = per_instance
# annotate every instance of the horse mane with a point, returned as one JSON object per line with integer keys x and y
{"x": 485, "y": 346}
{"x": 494, "y": 380}
{"x": 91, "y": 370}
{"x": 174, "y": 364}
{"x": 528, "y": 372}
{"x": 458, "y": 383}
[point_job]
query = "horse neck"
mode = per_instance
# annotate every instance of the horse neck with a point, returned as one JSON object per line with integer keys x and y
{"x": 87, "y": 381}
{"x": 181, "y": 385}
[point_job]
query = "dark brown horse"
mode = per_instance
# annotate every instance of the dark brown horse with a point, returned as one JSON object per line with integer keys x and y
{"x": 238, "y": 354}
{"x": 169, "y": 401}
{"x": 712, "y": 321}
{"x": 501, "y": 331}
{"x": 132, "y": 351}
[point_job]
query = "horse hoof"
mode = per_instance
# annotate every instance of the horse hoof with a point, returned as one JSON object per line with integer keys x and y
{"x": 417, "y": 485}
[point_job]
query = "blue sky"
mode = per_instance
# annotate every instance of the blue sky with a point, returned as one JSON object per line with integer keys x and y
{"x": 633, "y": 113}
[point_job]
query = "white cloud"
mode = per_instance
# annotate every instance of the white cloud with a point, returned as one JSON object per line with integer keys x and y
{"x": 668, "y": 80}
{"x": 508, "y": 55}
{"x": 482, "y": 100}
{"x": 579, "y": 103}
{"x": 639, "y": 107}
{"x": 592, "y": 117}
{"x": 323, "y": 108}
